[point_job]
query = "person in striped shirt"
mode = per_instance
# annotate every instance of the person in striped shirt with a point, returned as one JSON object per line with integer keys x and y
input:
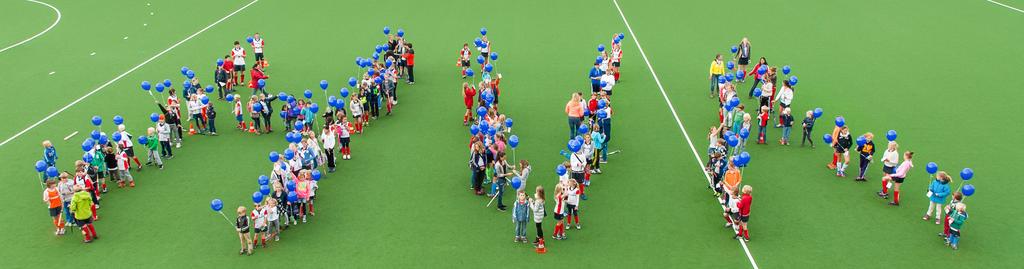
{"x": 559, "y": 211}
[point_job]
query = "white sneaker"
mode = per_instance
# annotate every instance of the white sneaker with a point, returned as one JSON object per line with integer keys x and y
{"x": 178, "y": 146}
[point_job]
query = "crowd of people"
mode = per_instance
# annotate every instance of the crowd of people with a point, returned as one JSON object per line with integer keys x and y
{"x": 728, "y": 139}
{"x": 286, "y": 197}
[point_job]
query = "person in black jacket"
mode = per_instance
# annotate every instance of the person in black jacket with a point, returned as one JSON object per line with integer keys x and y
{"x": 268, "y": 110}
{"x": 843, "y": 143}
{"x": 171, "y": 117}
{"x": 808, "y": 125}
{"x": 211, "y": 114}
{"x": 478, "y": 165}
{"x": 866, "y": 152}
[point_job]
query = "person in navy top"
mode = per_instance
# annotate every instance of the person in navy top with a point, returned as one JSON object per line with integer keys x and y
{"x": 595, "y": 77}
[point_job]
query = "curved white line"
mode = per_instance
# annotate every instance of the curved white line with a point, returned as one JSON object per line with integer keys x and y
{"x": 40, "y": 33}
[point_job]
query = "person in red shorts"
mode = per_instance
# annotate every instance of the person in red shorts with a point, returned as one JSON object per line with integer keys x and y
{"x": 468, "y": 92}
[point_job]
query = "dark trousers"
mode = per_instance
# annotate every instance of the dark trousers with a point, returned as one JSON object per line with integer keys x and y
{"x": 478, "y": 180}
{"x": 806, "y": 137}
{"x": 863, "y": 164}
{"x": 501, "y": 192}
{"x": 330, "y": 158}
{"x": 540, "y": 230}
{"x": 211, "y": 125}
{"x": 411, "y": 79}
{"x": 165, "y": 149}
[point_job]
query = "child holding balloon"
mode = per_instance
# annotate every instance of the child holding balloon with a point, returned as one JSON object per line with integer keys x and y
{"x": 950, "y": 208}
{"x": 49, "y": 154}
{"x": 937, "y": 192}
{"x": 956, "y": 222}
{"x": 259, "y": 221}
{"x": 151, "y": 145}
{"x": 897, "y": 178}
{"x": 807, "y": 126}
{"x": 242, "y": 227}
{"x": 842, "y": 147}
{"x": 786, "y": 118}
{"x": 762, "y": 125}
{"x": 866, "y": 148}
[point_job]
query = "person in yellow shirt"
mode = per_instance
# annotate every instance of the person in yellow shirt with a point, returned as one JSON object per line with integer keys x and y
{"x": 81, "y": 205}
{"x": 717, "y": 70}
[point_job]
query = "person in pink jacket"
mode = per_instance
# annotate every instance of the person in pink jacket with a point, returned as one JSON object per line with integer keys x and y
{"x": 574, "y": 109}
{"x": 303, "y": 187}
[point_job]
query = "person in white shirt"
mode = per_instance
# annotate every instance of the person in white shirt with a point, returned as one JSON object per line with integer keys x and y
{"x": 127, "y": 145}
{"x": 485, "y": 50}
{"x": 257, "y": 47}
{"x": 607, "y": 82}
{"x": 890, "y": 159}
{"x": 329, "y": 140}
{"x": 273, "y": 220}
{"x": 785, "y": 97}
{"x": 238, "y": 56}
{"x": 163, "y": 134}
{"x": 572, "y": 203}
{"x": 259, "y": 220}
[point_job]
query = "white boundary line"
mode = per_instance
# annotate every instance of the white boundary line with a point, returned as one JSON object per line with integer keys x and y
{"x": 40, "y": 33}
{"x": 1006, "y": 6}
{"x": 700, "y": 163}
{"x": 126, "y": 73}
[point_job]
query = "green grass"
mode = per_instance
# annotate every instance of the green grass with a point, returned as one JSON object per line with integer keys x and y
{"x": 932, "y": 71}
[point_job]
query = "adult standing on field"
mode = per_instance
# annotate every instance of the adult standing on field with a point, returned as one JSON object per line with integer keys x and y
{"x": 574, "y": 109}
{"x": 743, "y": 55}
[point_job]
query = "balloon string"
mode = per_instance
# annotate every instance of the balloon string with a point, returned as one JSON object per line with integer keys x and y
{"x": 226, "y": 218}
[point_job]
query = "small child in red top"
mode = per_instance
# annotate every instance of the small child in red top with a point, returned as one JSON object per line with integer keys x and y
{"x": 468, "y": 92}
{"x": 762, "y": 124}
{"x": 744, "y": 207}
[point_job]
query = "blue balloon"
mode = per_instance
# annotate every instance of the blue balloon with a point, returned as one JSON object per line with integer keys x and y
{"x": 282, "y": 96}
{"x": 757, "y": 92}
{"x": 968, "y": 189}
{"x": 263, "y": 180}
{"x": 316, "y": 175}
{"x": 378, "y": 80}
{"x": 786, "y": 69}
{"x": 388, "y": 63}
{"x": 622, "y": 36}
{"x": 818, "y": 112}
{"x": 292, "y": 197}
{"x": 216, "y": 205}
{"x": 116, "y": 136}
{"x": 574, "y": 145}
{"x": 734, "y": 49}
{"x": 488, "y": 68}
{"x": 352, "y": 81}
{"x": 967, "y": 174}
{"x": 167, "y": 83}
{"x": 729, "y": 77}
{"x": 190, "y": 74}
{"x": 604, "y": 84}
{"x": 289, "y": 136}
{"x": 560, "y": 170}
{"x": 584, "y": 129}
{"x": 118, "y": 120}
{"x": 95, "y": 134}
{"x": 387, "y": 30}
{"x": 478, "y": 41}
{"x": 484, "y": 128}
{"x": 469, "y": 72}
{"x": 283, "y": 114}
{"x": 307, "y": 93}
{"x": 721, "y": 79}
{"x": 290, "y": 185}
{"x": 730, "y": 65}
{"x": 494, "y": 56}
{"x": 88, "y": 144}
{"x": 377, "y": 49}
{"x": 480, "y": 59}
{"x": 248, "y": 39}
{"x": 103, "y": 139}
{"x": 264, "y": 190}
{"x": 827, "y": 138}
{"x": 891, "y": 135}
{"x": 344, "y": 92}
{"x": 616, "y": 40}
{"x": 145, "y": 85}
{"x": 763, "y": 69}
{"x": 401, "y": 32}
{"x": 601, "y": 114}
{"x": 932, "y": 167}
{"x": 508, "y": 122}
{"x": 732, "y": 140}
{"x": 492, "y": 131}
{"x": 220, "y": 62}
{"x": 474, "y": 129}
{"x": 160, "y": 88}
{"x": 792, "y": 81}
{"x": 370, "y": 72}
{"x": 261, "y": 83}
{"x": 51, "y": 171}
{"x": 861, "y": 141}
{"x": 744, "y": 133}
{"x": 483, "y": 31}
{"x": 744, "y": 158}
{"x": 186, "y": 84}
{"x": 600, "y": 47}
{"x": 300, "y": 125}
{"x": 840, "y": 121}
{"x": 376, "y": 56}
{"x": 96, "y": 120}
{"x": 87, "y": 157}
{"x": 332, "y": 101}
{"x": 740, "y": 74}
{"x": 359, "y": 61}
{"x": 209, "y": 88}
{"x": 230, "y": 97}
{"x": 274, "y": 156}
{"x": 205, "y": 99}
{"x": 257, "y": 197}
{"x": 257, "y": 107}
{"x": 728, "y": 134}
{"x": 289, "y": 154}
{"x": 735, "y": 101}
{"x": 513, "y": 141}
{"x": 143, "y": 140}
{"x": 598, "y": 60}
{"x": 314, "y": 107}
{"x": 516, "y": 183}
{"x": 184, "y": 70}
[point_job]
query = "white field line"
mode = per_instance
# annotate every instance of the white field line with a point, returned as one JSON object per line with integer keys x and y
{"x": 1006, "y": 6}
{"x": 700, "y": 163}
{"x": 126, "y": 73}
{"x": 40, "y": 33}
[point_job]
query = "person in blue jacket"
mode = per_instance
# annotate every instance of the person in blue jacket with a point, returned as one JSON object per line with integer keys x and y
{"x": 938, "y": 190}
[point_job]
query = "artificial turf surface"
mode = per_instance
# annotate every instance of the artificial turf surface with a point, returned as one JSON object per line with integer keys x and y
{"x": 934, "y": 71}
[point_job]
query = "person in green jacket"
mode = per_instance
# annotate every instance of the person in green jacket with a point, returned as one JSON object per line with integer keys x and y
{"x": 956, "y": 221}
{"x": 151, "y": 146}
{"x": 100, "y": 166}
{"x": 81, "y": 208}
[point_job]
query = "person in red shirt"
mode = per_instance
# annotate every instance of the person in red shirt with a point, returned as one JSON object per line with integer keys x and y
{"x": 409, "y": 56}
{"x": 467, "y": 97}
{"x": 592, "y": 104}
{"x": 257, "y": 74}
{"x": 744, "y": 206}
{"x": 229, "y": 66}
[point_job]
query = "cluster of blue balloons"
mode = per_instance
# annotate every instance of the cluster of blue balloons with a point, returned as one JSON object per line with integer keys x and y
{"x": 742, "y": 159}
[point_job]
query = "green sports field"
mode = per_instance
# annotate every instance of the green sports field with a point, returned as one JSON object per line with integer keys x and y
{"x": 935, "y": 71}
